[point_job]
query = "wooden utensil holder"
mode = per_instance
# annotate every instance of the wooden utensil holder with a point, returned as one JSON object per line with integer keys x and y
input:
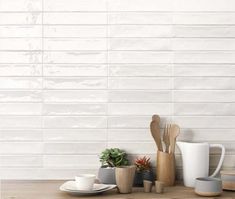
{"x": 166, "y": 168}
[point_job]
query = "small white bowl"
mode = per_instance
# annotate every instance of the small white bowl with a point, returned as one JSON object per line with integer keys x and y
{"x": 85, "y": 182}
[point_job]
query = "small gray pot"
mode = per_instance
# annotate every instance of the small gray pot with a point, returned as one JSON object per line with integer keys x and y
{"x": 208, "y": 186}
{"x": 140, "y": 176}
{"x": 106, "y": 175}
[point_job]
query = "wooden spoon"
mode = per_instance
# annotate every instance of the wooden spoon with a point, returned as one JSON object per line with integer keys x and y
{"x": 156, "y": 118}
{"x": 166, "y": 137}
{"x": 174, "y": 132}
{"x": 155, "y": 131}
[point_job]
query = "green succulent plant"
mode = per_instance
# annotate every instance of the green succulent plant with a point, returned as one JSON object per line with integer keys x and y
{"x": 113, "y": 157}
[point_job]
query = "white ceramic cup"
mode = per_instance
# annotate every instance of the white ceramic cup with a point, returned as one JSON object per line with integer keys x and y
{"x": 85, "y": 182}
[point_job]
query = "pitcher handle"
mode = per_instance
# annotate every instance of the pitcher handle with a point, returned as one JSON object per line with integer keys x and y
{"x": 221, "y": 158}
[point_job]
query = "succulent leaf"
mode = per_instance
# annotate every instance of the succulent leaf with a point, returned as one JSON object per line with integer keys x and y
{"x": 113, "y": 157}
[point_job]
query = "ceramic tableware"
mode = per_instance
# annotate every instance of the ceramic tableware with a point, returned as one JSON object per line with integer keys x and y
{"x": 196, "y": 160}
{"x": 85, "y": 182}
{"x": 208, "y": 186}
{"x": 125, "y": 178}
{"x": 71, "y": 188}
{"x": 228, "y": 179}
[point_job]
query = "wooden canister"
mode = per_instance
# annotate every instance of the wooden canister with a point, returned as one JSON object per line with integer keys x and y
{"x": 166, "y": 168}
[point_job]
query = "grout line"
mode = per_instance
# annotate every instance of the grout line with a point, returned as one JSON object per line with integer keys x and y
{"x": 107, "y": 62}
{"x": 125, "y": 11}
{"x": 42, "y": 72}
{"x": 121, "y": 37}
{"x": 123, "y": 24}
{"x": 173, "y": 70}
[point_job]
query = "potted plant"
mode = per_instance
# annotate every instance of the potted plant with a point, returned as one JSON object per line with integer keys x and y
{"x": 143, "y": 171}
{"x": 111, "y": 158}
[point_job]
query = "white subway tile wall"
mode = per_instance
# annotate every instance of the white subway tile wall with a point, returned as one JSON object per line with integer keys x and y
{"x": 78, "y": 76}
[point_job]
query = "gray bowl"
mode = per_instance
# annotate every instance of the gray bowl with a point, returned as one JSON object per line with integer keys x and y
{"x": 208, "y": 186}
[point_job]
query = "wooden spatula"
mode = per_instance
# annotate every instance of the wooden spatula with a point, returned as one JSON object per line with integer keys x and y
{"x": 155, "y": 131}
{"x": 174, "y": 132}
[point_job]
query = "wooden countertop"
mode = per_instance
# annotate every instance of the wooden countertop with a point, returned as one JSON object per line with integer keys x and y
{"x": 50, "y": 190}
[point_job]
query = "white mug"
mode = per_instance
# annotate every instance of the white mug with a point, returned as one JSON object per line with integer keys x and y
{"x": 85, "y": 182}
{"x": 195, "y": 158}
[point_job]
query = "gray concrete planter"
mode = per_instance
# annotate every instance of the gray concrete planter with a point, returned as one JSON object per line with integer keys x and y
{"x": 106, "y": 175}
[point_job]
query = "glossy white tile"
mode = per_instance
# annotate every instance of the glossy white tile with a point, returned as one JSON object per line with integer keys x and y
{"x": 74, "y": 148}
{"x": 204, "y": 70}
{"x": 96, "y": 57}
{"x": 140, "y": 18}
{"x": 204, "y": 96}
{"x": 18, "y": 122}
{"x": 219, "y": 31}
{"x": 21, "y": 31}
{"x": 32, "y": 135}
{"x": 75, "y": 83}
{"x": 75, "y": 96}
{"x": 13, "y": 161}
{"x": 75, "y": 18}
{"x": 74, "y": 44}
{"x": 30, "y": 57}
{"x": 75, "y": 69}
{"x": 74, "y": 135}
{"x": 75, "y": 5}
{"x": 200, "y": 5}
{"x": 134, "y": 96}
{"x": 18, "y": 18}
{"x": 20, "y": 44}
{"x": 204, "y": 83}
{"x": 140, "y": 31}
{"x": 75, "y": 122}
{"x": 139, "y": 44}
{"x": 140, "y": 70}
{"x": 23, "y": 148}
{"x": 71, "y": 161}
{"x": 8, "y": 83}
{"x": 20, "y": 70}
{"x": 207, "y": 18}
{"x": 21, "y": 5}
{"x": 74, "y": 109}
{"x": 20, "y": 96}
{"x": 139, "y": 109}
{"x": 74, "y": 31}
{"x": 140, "y": 57}
{"x": 140, "y": 5}
{"x": 20, "y": 108}
{"x": 139, "y": 83}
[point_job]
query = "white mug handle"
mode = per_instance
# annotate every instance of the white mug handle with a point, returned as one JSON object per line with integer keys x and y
{"x": 221, "y": 158}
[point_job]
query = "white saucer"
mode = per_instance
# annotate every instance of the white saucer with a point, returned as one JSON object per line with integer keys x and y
{"x": 70, "y": 187}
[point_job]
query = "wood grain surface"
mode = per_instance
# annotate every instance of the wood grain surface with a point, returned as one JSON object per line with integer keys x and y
{"x": 50, "y": 190}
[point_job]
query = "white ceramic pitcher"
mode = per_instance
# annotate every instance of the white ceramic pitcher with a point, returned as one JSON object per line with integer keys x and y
{"x": 195, "y": 158}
